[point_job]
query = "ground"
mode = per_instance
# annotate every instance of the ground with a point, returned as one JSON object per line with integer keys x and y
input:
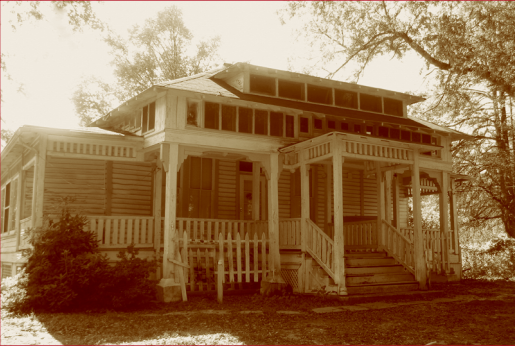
{"x": 467, "y": 313}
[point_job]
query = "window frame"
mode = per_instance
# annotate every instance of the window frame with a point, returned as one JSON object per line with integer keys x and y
{"x": 145, "y": 118}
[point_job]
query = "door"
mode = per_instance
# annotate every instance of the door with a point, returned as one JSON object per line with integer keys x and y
{"x": 246, "y": 198}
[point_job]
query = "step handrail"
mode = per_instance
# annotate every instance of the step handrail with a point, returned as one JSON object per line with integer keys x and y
{"x": 321, "y": 247}
{"x": 398, "y": 246}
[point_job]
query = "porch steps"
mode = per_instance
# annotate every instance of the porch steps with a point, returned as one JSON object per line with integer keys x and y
{"x": 375, "y": 272}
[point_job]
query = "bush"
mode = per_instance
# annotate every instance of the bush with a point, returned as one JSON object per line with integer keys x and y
{"x": 65, "y": 271}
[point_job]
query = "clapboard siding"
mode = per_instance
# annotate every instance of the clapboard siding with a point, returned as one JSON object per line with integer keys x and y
{"x": 26, "y": 210}
{"x": 320, "y": 195}
{"x": 131, "y": 179}
{"x": 81, "y": 180}
{"x": 8, "y": 243}
{"x": 370, "y": 195}
{"x": 403, "y": 208}
{"x": 227, "y": 188}
{"x": 284, "y": 195}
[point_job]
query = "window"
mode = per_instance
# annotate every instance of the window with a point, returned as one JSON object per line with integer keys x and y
{"x": 211, "y": 115}
{"x": 318, "y": 124}
{"x": 426, "y": 139}
{"x": 262, "y": 85}
{"x": 345, "y": 98}
{"x": 344, "y": 126}
{"x": 405, "y": 135}
{"x": 395, "y": 133}
{"x": 245, "y": 120}
{"x": 192, "y": 115}
{"x": 415, "y": 137}
{"x": 228, "y": 118}
{"x": 393, "y": 107}
{"x": 331, "y": 124}
{"x": 198, "y": 188}
{"x": 148, "y": 118}
{"x": 290, "y": 126}
{"x": 383, "y": 131}
{"x": 370, "y": 103}
{"x": 370, "y": 130}
{"x": 291, "y": 90}
{"x": 319, "y": 94}
{"x": 357, "y": 128}
{"x": 261, "y": 122}
{"x": 6, "y": 199}
{"x": 304, "y": 125}
{"x": 276, "y": 124}
{"x": 245, "y": 166}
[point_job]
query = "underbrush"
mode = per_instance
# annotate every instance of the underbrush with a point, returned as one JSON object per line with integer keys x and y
{"x": 66, "y": 272}
{"x": 496, "y": 262}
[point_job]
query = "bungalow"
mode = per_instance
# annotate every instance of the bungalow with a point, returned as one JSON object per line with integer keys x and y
{"x": 247, "y": 173}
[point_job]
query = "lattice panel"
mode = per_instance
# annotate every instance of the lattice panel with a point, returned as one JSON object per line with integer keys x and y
{"x": 291, "y": 277}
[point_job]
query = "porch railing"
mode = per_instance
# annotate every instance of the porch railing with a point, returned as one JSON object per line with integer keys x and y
{"x": 206, "y": 230}
{"x": 360, "y": 235}
{"x": 290, "y": 233}
{"x": 121, "y": 231}
{"x": 320, "y": 247}
{"x": 398, "y": 246}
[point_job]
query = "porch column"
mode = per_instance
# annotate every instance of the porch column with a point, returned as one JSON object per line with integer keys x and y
{"x": 304, "y": 216}
{"x": 273, "y": 218}
{"x": 169, "y": 288}
{"x": 444, "y": 221}
{"x": 454, "y": 219}
{"x": 380, "y": 206}
{"x": 38, "y": 191}
{"x": 158, "y": 183}
{"x": 339, "y": 246}
{"x": 418, "y": 236}
{"x": 256, "y": 182}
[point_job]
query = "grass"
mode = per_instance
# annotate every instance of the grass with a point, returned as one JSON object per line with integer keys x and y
{"x": 475, "y": 322}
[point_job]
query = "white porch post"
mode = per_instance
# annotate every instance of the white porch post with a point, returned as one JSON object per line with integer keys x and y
{"x": 158, "y": 183}
{"x": 380, "y": 206}
{"x": 273, "y": 217}
{"x": 256, "y": 181}
{"x": 304, "y": 216}
{"x": 339, "y": 246}
{"x": 454, "y": 219}
{"x": 444, "y": 221}
{"x": 38, "y": 190}
{"x": 418, "y": 236}
{"x": 329, "y": 203}
{"x": 169, "y": 288}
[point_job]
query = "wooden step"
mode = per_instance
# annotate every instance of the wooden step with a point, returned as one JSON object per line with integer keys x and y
{"x": 378, "y": 279}
{"x": 392, "y": 287}
{"x": 369, "y": 262}
{"x": 375, "y": 270}
{"x": 380, "y": 254}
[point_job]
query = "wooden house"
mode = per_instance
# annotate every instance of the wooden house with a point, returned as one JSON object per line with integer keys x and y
{"x": 263, "y": 173}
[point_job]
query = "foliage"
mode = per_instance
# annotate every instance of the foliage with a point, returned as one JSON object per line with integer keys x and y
{"x": 493, "y": 263}
{"x": 468, "y": 48}
{"x": 6, "y": 136}
{"x": 156, "y": 51}
{"x": 65, "y": 271}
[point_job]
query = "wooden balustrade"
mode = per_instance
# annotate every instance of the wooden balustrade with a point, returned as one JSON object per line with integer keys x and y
{"x": 76, "y": 146}
{"x": 121, "y": 231}
{"x": 320, "y": 247}
{"x": 398, "y": 246}
{"x": 319, "y": 151}
{"x": 289, "y": 233}
{"x": 376, "y": 150}
{"x": 206, "y": 230}
{"x": 360, "y": 235}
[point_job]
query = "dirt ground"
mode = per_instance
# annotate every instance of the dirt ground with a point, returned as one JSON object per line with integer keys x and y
{"x": 469, "y": 313}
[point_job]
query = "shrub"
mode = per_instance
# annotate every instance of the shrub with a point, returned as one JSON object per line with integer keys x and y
{"x": 65, "y": 271}
{"x": 495, "y": 262}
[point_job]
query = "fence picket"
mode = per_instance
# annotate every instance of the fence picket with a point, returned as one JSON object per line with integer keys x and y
{"x": 238, "y": 256}
{"x": 256, "y": 257}
{"x": 263, "y": 257}
{"x": 247, "y": 258}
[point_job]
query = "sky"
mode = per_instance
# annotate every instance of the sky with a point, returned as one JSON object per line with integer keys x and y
{"x": 49, "y": 59}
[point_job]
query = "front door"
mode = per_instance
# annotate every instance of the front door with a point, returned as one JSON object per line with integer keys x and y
{"x": 246, "y": 198}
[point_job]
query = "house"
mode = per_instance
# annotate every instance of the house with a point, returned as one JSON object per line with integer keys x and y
{"x": 260, "y": 173}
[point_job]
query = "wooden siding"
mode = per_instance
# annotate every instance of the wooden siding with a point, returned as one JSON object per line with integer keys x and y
{"x": 227, "y": 190}
{"x": 403, "y": 208}
{"x": 370, "y": 196}
{"x": 82, "y": 180}
{"x": 131, "y": 188}
{"x": 8, "y": 243}
{"x": 26, "y": 210}
{"x": 284, "y": 195}
{"x": 320, "y": 177}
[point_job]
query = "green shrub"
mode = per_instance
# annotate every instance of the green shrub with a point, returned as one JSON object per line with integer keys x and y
{"x": 65, "y": 271}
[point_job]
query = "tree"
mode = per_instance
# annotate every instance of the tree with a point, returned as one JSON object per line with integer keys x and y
{"x": 154, "y": 52}
{"x": 469, "y": 49}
